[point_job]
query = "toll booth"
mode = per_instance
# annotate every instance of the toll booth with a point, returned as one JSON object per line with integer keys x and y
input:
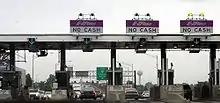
{"x": 62, "y": 79}
{"x": 11, "y": 80}
{"x": 201, "y": 90}
{"x": 170, "y": 76}
{"x": 118, "y": 76}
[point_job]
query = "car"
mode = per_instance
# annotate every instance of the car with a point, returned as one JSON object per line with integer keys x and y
{"x": 47, "y": 95}
{"x": 131, "y": 93}
{"x": 77, "y": 93}
{"x": 76, "y": 90}
{"x": 99, "y": 94}
{"x": 34, "y": 94}
{"x": 41, "y": 94}
{"x": 145, "y": 94}
{"x": 5, "y": 95}
{"x": 88, "y": 93}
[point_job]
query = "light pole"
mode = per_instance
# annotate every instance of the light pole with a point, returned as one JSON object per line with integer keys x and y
{"x": 156, "y": 57}
{"x": 132, "y": 68}
{"x": 57, "y": 64}
{"x": 33, "y": 65}
{"x": 32, "y": 70}
{"x": 37, "y": 77}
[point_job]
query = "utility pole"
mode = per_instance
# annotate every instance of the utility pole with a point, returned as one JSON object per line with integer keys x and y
{"x": 32, "y": 69}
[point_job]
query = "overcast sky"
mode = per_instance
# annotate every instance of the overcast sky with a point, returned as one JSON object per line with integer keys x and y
{"x": 52, "y": 16}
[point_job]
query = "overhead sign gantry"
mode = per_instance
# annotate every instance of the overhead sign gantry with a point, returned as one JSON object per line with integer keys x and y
{"x": 86, "y": 25}
{"x": 86, "y": 34}
{"x": 142, "y": 24}
{"x": 196, "y": 23}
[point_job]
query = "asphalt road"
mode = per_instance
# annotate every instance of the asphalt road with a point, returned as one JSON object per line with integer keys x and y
{"x": 95, "y": 101}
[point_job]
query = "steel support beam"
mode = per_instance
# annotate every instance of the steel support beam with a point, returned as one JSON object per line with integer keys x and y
{"x": 135, "y": 79}
{"x": 212, "y": 67}
{"x": 163, "y": 64}
{"x": 113, "y": 61}
{"x": 62, "y": 57}
{"x": 12, "y": 57}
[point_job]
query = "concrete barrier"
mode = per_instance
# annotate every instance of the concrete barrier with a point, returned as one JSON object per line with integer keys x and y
{"x": 172, "y": 94}
{"x": 175, "y": 98}
{"x": 155, "y": 93}
{"x": 59, "y": 95}
{"x": 115, "y": 94}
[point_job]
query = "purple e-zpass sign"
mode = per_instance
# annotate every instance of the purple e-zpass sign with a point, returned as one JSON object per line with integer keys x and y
{"x": 142, "y": 26}
{"x": 86, "y": 26}
{"x": 196, "y": 26}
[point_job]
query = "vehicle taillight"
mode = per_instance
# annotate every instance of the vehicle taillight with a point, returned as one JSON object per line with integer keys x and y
{"x": 93, "y": 92}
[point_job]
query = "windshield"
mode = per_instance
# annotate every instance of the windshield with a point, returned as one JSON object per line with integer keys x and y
{"x": 146, "y": 91}
{"x": 77, "y": 92}
{"x": 87, "y": 89}
{"x": 33, "y": 90}
{"x": 48, "y": 92}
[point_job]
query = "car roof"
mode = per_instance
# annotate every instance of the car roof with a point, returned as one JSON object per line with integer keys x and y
{"x": 88, "y": 89}
{"x": 130, "y": 89}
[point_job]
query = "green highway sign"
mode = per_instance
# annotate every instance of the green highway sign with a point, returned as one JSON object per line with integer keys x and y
{"x": 101, "y": 73}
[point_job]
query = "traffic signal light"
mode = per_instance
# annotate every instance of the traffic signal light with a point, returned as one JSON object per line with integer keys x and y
{"x": 42, "y": 53}
{"x": 141, "y": 46}
{"x": 32, "y": 45}
{"x": 87, "y": 46}
{"x": 195, "y": 46}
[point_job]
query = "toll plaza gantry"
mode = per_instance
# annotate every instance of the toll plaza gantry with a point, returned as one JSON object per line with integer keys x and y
{"x": 88, "y": 42}
{"x": 64, "y": 42}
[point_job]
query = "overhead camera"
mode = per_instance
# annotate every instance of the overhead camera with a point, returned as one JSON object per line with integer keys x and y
{"x": 141, "y": 46}
{"x": 42, "y": 53}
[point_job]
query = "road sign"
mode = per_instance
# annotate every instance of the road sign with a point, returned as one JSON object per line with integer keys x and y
{"x": 82, "y": 73}
{"x": 196, "y": 26}
{"x": 101, "y": 73}
{"x": 142, "y": 26}
{"x": 86, "y": 26}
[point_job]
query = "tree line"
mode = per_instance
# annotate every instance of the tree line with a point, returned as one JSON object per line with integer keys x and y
{"x": 42, "y": 85}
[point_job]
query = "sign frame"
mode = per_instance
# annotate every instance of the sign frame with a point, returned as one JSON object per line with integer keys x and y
{"x": 196, "y": 26}
{"x": 86, "y": 26}
{"x": 142, "y": 26}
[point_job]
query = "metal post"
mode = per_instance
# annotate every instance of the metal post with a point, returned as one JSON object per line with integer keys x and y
{"x": 132, "y": 73}
{"x": 113, "y": 72}
{"x": 158, "y": 82}
{"x": 162, "y": 70}
{"x": 63, "y": 58}
{"x": 216, "y": 69}
{"x": 167, "y": 71}
{"x": 113, "y": 61}
{"x": 139, "y": 80}
{"x": 163, "y": 63}
{"x": 212, "y": 68}
{"x": 12, "y": 57}
{"x": 135, "y": 79}
{"x": 157, "y": 62}
{"x": 32, "y": 67}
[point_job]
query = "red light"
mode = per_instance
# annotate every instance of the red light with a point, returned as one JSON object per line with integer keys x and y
{"x": 94, "y": 92}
